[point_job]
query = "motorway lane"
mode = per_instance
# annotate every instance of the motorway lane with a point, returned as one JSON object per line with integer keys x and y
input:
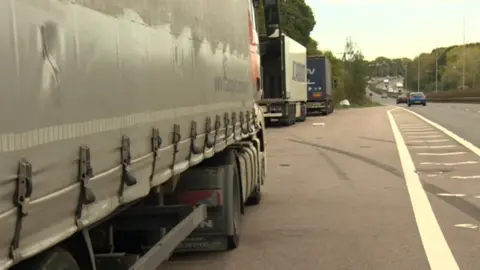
{"x": 377, "y": 98}
{"x": 335, "y": 198}
{"x": 450, "y": 174}
{"x": 462, "y": 119}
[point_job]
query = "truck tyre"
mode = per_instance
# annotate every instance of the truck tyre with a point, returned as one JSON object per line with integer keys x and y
{"x": 331, "y": 106}
{"x": 303, "y": 114}
{"x": 236, "y": 215}
{"x": 255, "y": 197}
{"x": 290, "y": 118}
{"x": 53, "y": 259}
{"x": 325, "y": 112}
{"x": 293, "y": 117}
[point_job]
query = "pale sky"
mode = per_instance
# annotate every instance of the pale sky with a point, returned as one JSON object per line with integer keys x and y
{"x": 394, "y": 28}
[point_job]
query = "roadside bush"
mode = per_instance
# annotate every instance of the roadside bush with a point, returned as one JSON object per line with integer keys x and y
{"x": 455, "y": 93}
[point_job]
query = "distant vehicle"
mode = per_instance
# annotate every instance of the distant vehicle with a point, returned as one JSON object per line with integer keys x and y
{"x": 386, "y": 81}
{"x": 417, "y": 98}
{"x": 320, "y": 85}
{"x": 384, "y": 95}
{"x": 284, "y": 64}
{"x": 402, "y": 99}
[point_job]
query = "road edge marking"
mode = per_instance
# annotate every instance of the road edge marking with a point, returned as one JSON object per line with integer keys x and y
{"x": 470, "y": 146}
{"x": 436, "y": 248}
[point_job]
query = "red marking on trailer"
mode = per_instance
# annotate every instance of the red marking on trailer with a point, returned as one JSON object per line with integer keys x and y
{"x": 194, "y": 197}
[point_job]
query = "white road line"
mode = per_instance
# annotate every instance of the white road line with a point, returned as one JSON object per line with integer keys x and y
{"x": 466, "y": 177}
{"x": 418, "y": 129}
{"x": 436, "y": 247}
{"x": 424, "y": 136}
{"x": 442, "y": 154}
{"x": 428, "y": 141}
{"x": 433, "y": 146}
{"x": 421, "y": 126}
{"x": 421, "y": 133}
{"x": 454, "y": 136}
{"x": 410, "y": 124}
{"x": 449, "y": 164}
{"x": 467, "y": 226}
{"x": 450, "y": 195}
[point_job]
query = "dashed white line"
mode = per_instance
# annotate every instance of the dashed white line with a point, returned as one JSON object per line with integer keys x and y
{"x": 451, "y": 195}
{"x": 449, "y": 164}
{"x": 454, "y": 136}
{"x": 467, "y": 226}
{"x": 421, "y": 133}
{"x": 418, "y": 129}
{"x": 428, "y": 141}
{"x": 442, "y": 154}
{"x": 414, "y": 126}
{"x": 466, "y": 177}
{"x": 424, "y": 136}
{"x": 434, "y": 146}
{"x": 436, "y": 247}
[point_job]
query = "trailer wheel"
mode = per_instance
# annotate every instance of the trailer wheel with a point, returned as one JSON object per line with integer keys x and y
{"x": 53, "y": 259}
{"x": 234, "y": 239}
{"x": 303, "y": 114}
{"x": 256, "y": 196}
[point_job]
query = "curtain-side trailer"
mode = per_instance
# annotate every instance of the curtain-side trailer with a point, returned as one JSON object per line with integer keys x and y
{"x": 320, "y": 85}
{"x": 129, "y": 130}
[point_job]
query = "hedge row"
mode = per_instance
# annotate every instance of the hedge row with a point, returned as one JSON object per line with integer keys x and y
{"x": 455, "y": 94}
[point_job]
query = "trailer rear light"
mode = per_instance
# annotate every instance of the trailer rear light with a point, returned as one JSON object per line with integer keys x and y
{"x": 195, "y": 197}
{"x": 317, "y": 94}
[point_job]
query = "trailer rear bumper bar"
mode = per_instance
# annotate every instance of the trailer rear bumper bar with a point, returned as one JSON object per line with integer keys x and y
{"x": 273, "y": 115}
{"x": 162, "y": 250}
{"x": 316, "y": 105}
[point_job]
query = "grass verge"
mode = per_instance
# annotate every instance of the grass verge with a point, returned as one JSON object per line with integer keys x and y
{"x": 366, "y": 103}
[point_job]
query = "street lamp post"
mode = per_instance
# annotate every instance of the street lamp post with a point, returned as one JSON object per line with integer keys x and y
{"x": 464, "y": 55}
{"x": 436, "y": 70}
{"x": 418, "y": 75}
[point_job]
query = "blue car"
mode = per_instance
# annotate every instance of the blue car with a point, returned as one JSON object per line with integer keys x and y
{"x": 417, "y": 98}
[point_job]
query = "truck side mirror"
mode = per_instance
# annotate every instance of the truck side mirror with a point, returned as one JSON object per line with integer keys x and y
{"x": 256, "y": 3}
{"x": 335, "y": 83}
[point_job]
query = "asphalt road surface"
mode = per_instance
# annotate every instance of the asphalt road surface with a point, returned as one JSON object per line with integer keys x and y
{"x": 345, "y": 192}
{"x": 463, "y": 119}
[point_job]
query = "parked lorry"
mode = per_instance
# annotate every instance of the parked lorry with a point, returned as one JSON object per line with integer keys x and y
{"x": 320, "y": 85}
{"x": 129, "y": 130}
{"x": 284, "y": 79}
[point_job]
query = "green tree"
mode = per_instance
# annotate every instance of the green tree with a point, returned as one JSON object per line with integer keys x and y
{"x": 421, "y": 70}
{"x": 296, "y": 21}
{"x": 355, "y": 71}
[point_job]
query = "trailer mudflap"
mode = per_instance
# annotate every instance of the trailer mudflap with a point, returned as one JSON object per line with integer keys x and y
{"x": 182, "y": 224}
{"x": 162, "y": 250}
{"x": 145, "y": 218}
